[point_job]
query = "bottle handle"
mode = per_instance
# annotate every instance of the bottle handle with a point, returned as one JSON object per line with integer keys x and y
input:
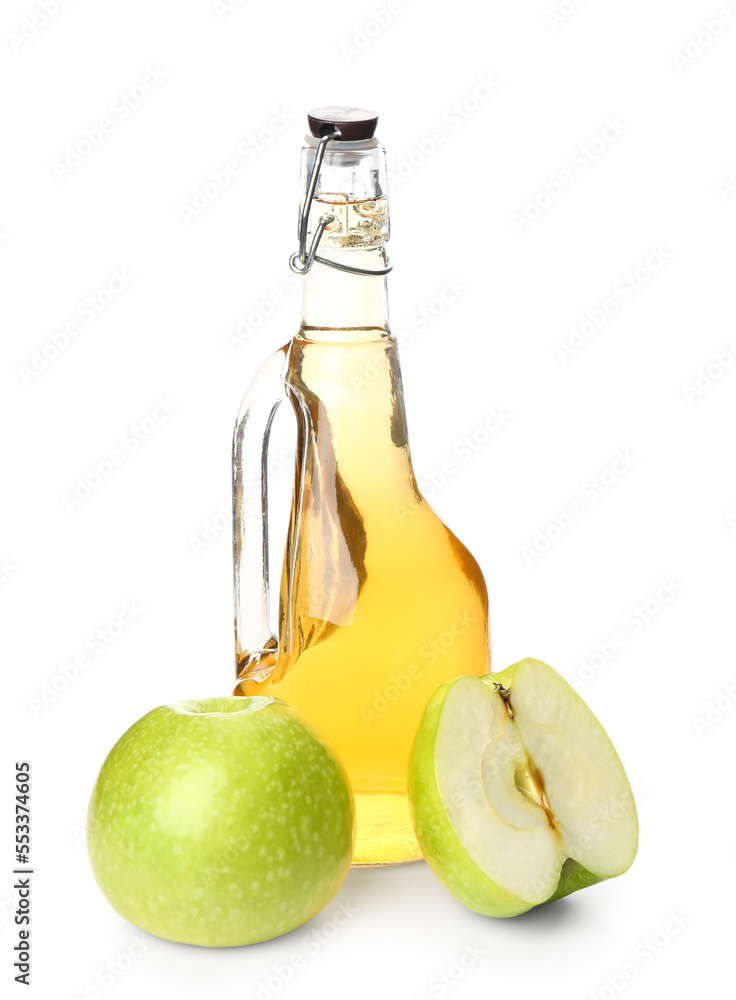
{"x": 256, "y": 647}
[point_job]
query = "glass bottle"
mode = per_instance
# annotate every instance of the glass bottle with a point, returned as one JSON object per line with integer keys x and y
{"x": 379, "y": 603}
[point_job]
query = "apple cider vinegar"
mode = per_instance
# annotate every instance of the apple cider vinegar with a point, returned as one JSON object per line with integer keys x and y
{"x": 380, "y": 603}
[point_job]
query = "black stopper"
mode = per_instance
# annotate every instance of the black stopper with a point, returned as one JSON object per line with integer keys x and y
{"x": 354, "y": 123}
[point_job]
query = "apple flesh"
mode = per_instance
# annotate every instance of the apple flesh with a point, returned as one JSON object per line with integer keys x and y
{"x": 518, "y": 796}
{"x": 220, "y": 822}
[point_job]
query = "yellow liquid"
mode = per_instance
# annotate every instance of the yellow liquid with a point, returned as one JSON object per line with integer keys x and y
{"x": 380, "y": 602}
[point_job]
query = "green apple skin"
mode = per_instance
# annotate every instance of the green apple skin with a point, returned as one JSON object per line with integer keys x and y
{"x": 220, "y": 822}
{"x": 441, "y": 846}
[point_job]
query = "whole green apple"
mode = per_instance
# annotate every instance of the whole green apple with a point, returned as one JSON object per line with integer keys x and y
{"x": 517, "y": 794}
{"x": 220, "y": 822}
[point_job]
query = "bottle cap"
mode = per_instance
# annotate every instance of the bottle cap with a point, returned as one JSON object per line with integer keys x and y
{"x": 355, "y": 124}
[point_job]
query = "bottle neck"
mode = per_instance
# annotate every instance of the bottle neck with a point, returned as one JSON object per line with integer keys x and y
{"x": 338, "y": 305}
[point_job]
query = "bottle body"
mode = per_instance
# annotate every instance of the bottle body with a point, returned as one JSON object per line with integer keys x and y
{"x": 379, "y": 602}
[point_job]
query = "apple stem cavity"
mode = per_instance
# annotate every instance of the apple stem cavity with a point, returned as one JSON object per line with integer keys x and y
{"x": 505, "y": 694}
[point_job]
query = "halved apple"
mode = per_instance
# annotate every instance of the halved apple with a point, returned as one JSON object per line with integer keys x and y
{"x": 517, "y": 794}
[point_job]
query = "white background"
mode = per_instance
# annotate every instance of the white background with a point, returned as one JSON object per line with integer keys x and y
{"x": 671, "y": 515}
